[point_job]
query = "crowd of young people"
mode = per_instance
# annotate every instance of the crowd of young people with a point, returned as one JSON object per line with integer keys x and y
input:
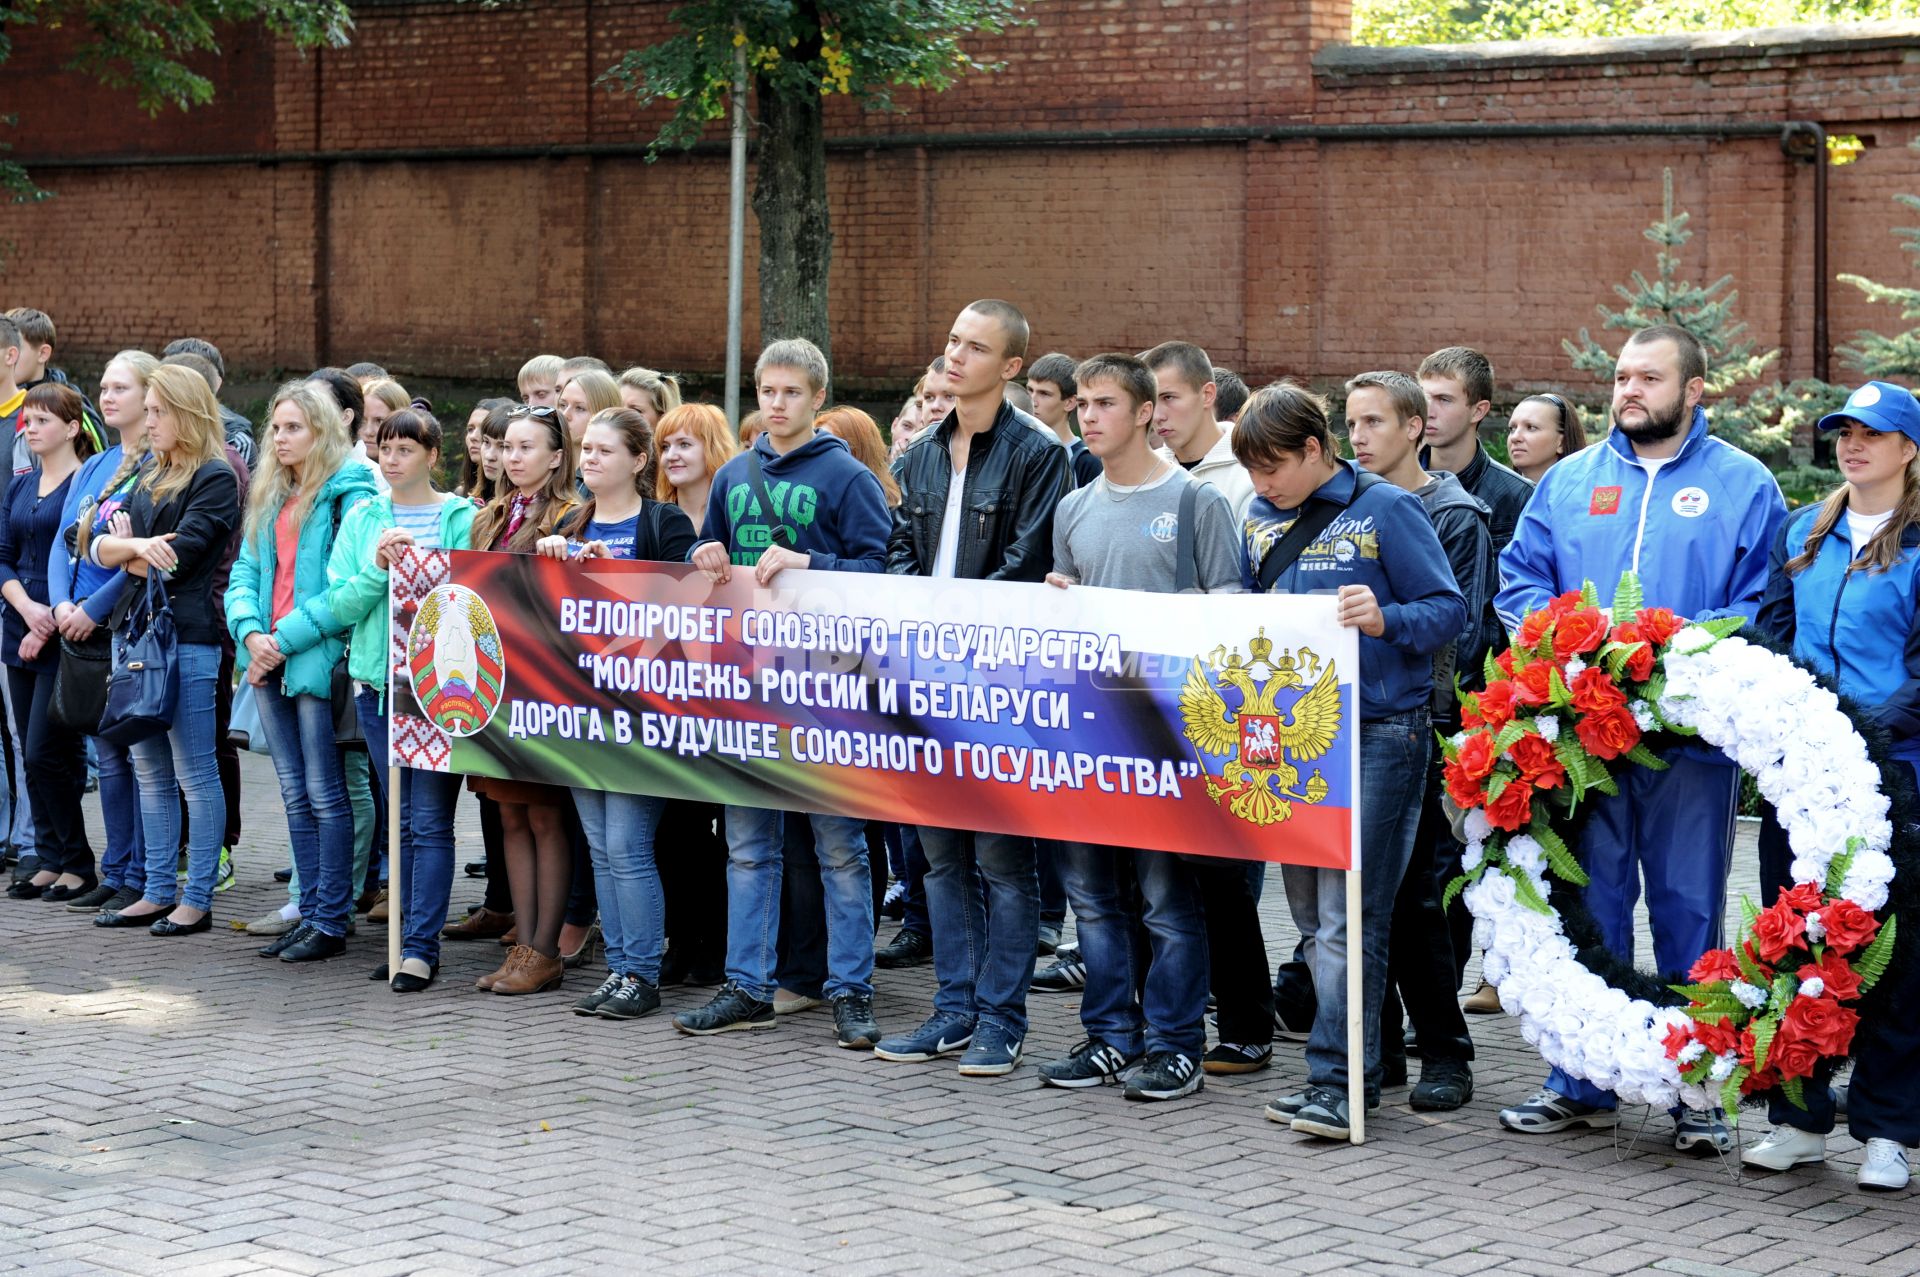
{"x": 1060, "y": 473}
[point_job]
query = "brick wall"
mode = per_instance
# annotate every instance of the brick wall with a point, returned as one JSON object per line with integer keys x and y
{"x": 1315, "y": 256}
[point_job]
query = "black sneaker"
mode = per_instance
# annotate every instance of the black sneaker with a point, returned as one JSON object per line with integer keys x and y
{"x": 1284, "y": 1108}
{"x": 1238, "y": 1057}
{"x": 1325, "y": 1114}
{"x": 283, "y": 875}
{"x": 1291, "y": 1023}
{"x": 731, "y": 1008}
{"x": 474, "y": 869}
{"x": 634, "y": 999}
{"x": 317, "y": 946}
{"x": 589, "y": 1004}
{"x": 1445, "y": 1085}
{"x": 287, "y": 941}
{"x": 1065, "y": 974}
{"x": 909, "y": 949}
{"x": 1167, "y": 1075}
{"x": 853, "y": 1022}
{"x": 1092, "y": 1063}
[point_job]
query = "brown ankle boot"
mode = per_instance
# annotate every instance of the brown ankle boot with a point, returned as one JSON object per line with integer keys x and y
{"x": 512, "y": 962}
{"x": 536, "y": 973}
{"x": 481, "y": 924}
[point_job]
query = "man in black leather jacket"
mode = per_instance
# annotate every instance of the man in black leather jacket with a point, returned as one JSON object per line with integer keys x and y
{"x": 977, "y": 496}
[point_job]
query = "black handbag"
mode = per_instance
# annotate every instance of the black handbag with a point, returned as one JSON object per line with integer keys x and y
{"x": 80, "y": 680}
{"x": 346, "y": 718}
{"x": 144, "y": 689}
{"x": 80, "y": 683}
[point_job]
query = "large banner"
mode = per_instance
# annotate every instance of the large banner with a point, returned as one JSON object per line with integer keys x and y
{"x": 1224, "y": 725}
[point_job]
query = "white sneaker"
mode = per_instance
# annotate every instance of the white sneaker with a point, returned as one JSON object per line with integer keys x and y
{"x": 1885, "y": 1166}
{"x": 1785, "y": 1147}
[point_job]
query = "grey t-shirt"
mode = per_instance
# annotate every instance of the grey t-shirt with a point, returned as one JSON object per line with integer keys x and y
{"x": 1125, "y": 538}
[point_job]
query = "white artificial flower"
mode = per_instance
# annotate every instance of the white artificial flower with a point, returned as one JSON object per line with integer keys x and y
{"x": 1458, "y": 739}
{"x": 1549, "y": 728}
{"x": 1813, "y": 988}
{"x": 1816, "y": 928}
{"x": 1690, "y": 1052}
{"x": 1723, "y": 1067}
{"x": 1752, "y": 996}
{"x": 1470, "y": 859}
{"x": 1575, "y": 667}
{"x": 1478, "y": 827}
{"x": 1643, "y": 716}
{"x": 1527, "y": 855}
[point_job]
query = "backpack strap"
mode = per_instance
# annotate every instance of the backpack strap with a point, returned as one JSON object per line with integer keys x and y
{"x": 1186, "y": 571}
{"x": 1314, "y": 519}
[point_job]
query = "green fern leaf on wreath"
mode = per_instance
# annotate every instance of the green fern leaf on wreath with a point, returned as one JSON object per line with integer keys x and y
{"x": 1872, "y": 964}
{"x": 1627, "y": 598}
{"x": 1795, "y": 1089}
{"x": 1838, "y": 866}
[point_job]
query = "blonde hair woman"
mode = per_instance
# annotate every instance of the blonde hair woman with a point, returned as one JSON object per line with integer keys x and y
{"x": 290, "y": 640}
{"x": 177, "y": 519}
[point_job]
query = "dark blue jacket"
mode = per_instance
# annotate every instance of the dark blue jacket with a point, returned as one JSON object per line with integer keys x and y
{"x": 1383, "y": 540}
{"x": 1859, "y": 628}
{"x": 832, "y": 505}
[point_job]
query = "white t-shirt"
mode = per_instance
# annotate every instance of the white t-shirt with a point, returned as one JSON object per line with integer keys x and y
{"x": 948, "y": 552}
{"x": 1862, "y": 527}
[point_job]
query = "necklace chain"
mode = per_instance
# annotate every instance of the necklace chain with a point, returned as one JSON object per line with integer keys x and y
{"x": 1159, "y": 465}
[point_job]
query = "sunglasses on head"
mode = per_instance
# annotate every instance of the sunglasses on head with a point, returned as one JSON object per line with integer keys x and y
{"x": 524, "y": 410}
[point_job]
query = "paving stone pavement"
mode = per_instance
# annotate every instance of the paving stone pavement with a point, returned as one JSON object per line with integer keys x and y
{"x": 185, "y": 1107}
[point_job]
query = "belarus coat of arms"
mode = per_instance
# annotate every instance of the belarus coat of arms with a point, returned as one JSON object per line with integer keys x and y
{"x": 454, "y": 657}
{"x": 1261, "y": 741}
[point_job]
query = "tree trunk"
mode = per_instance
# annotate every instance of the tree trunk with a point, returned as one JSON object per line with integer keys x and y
{"x": 790, "y": 203}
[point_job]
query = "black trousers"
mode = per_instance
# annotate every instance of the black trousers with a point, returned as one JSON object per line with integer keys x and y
{"x": 1236, "y": 948}
{"x": 1427, "y": 947}
{"x": 56, "y": 767}
{"x": 691, "y": 851}
{"x": 225, "y": 751}
{"x": 499, "y": 899}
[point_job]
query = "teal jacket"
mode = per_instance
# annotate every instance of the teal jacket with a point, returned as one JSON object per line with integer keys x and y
{"x": 357, "y": 587}
{"x": 311, "y": 636}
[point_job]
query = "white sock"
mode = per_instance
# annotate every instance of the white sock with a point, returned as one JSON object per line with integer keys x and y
{"x": 290, "y": 912}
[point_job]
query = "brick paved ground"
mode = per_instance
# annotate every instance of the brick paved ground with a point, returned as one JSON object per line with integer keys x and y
{"x": 182, "y": 1106}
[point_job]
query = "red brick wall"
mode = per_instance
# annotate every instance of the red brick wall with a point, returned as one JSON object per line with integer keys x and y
{"x": 1316, "y": 258}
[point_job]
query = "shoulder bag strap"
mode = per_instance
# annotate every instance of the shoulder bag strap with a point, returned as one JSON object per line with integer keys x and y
{"x": 1186, "y": 572}
{"x": 777, "y": 532}
{"x": 1312, "y": 521}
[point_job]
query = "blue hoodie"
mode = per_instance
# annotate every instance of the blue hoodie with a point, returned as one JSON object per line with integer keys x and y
{"x": 1696, "y": 529}
{"x": 832, "y": 505}
{"x": 1384, "y": 541}
{"x": 1857, "y": 627}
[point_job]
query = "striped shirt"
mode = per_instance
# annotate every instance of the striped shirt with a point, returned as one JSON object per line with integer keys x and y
{"x": 422, "y": 522}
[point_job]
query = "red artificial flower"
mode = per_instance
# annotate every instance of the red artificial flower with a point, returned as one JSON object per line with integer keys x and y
{"x": 1566, "y": 604}
{"x": 1765, "y": 1080}
{"x": 1534, "y": 684}
{"x": 1678, "y": 1036}
{"x": 1849, "y": 927}
{"x": 1718, "y": 1036}
{"x": 1715, "y": 964}
{"x": 1842, "y": 981}
{"x": 1539, "y": 765}
{"x": 1534, "y": 628}
{"x": 1609, "y": 733}
{"x": 1822, "y": 1023}
{"x": 1793, "y": 1054}
{"x": 1658, "y": 624}
{"x": 1496, "y": 702}
{"x": 1804, "y": 896}
{"x": 1579, "y": 633}
{"x": 1505, "y": 662}
{"x": 1639, "y": 666}
{"x": 1513, "y": 809}
{"x": 1779, "y": 929}
{"x": 1594, "y": 692}
{"x": 1748, "y": 1046}
{"x": 1462, "y": 788}
{"x": 1476, "y": 756}
{"x": 1766, "y": 968}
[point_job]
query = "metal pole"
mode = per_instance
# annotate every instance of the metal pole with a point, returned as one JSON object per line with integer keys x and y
{"x": 736, "y": 232}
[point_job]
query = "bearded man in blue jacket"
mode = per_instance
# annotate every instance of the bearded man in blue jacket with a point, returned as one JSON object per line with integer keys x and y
{"x": 1694, "y": 518}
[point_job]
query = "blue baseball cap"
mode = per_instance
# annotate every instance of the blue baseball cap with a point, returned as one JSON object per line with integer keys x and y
{"x": 1878, "y": 405}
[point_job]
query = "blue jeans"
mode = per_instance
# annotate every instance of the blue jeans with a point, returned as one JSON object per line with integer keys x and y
{"x": 1112, "y": 891}
{"x": 982, "y": 941}
{"x": 1676, "y": 827}
{"x": 1393, "y": 773}
{"x": 124, "y": 863}
{"x": 754, "y": 864}
{"x": 313, "y": 787}
{"x": 633, "y": 909}
{"x": 181, "y": 763}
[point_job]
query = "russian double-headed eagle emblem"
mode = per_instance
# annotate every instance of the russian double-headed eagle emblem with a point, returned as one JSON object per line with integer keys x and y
{"x": 1261, "y": 743}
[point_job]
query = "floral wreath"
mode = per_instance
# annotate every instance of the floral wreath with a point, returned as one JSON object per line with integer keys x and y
{"x": 1582, "y": 689}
